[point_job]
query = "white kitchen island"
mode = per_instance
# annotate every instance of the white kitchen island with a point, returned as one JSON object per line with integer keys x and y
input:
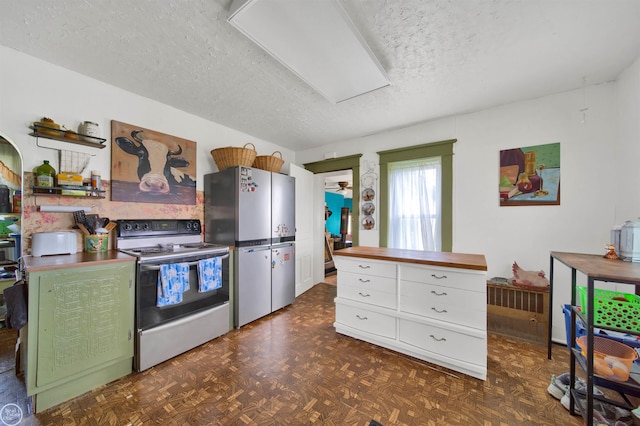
{"x": 429, "y": 305}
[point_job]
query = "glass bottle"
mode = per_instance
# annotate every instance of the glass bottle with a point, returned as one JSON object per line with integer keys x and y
{"x": 45, "y": 177}
{"x": 524, "y": 184}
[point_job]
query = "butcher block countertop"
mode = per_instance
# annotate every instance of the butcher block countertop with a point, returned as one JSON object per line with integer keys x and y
{"x": 34, "y": 264}
{"x": 435, "y": 258}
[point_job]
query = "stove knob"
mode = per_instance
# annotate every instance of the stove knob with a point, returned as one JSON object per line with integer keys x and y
{"x": 127, "y": 227}
{"x": 136, "y": 226}
{"x": 145, "y": 226}
{"x": 196, "y": 226}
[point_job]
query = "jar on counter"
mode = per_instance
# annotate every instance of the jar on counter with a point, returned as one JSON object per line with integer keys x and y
{"x": 91, "y": 129}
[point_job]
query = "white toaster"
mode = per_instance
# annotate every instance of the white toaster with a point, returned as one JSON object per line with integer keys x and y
{"x": 51, "y": 243}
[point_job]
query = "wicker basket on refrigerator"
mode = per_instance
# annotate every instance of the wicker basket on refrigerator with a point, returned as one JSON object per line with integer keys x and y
{"x": 231, "y": 156}
{"x": 270, "y": 163}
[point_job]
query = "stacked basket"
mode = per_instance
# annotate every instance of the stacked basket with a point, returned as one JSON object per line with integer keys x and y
{"x": 270, "y": 163}
{"x": 231, "y": 156}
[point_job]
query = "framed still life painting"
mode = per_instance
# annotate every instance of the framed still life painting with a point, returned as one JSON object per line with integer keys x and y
{"x": 530, "y": 176}
{"x": 151, "y": 167}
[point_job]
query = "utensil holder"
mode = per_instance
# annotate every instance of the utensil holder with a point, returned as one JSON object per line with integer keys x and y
{"x": 96, "y": 243}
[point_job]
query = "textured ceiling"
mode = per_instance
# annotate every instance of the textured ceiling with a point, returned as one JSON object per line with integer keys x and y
{"x": 443, "y": 58}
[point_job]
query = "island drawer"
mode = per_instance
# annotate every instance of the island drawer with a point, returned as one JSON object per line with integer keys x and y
{"x": 369, "y": 295}
{"x": 367, "y": 267}
{"x": 448, "y": 277}
{"x": 363, "y": 319}
{"x": 444, "y": 304}
{"x": 444, "y": 342}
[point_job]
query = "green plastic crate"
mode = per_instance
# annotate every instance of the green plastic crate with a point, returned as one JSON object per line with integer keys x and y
{"x": 4, "y": 230}
{"x": 611, "y": 311}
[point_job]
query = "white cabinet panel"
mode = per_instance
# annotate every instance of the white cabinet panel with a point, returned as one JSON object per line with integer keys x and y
{"x": 366, "y": 266}
{"x": 443, "y": 342}
{"x": 444, "y": 304}
{"x": 366, "y": 320}
{"x": 366, "y": 295}
{"x": 449, "y": 277}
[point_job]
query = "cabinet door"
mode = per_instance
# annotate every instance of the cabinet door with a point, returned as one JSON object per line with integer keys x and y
{"x": 252, "y": 291}
{"x": 85, "y": 319}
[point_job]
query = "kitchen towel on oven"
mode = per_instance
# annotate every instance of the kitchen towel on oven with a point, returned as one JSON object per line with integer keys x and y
{"x": 173, "y": 280}
{"x": 209, "y": 274}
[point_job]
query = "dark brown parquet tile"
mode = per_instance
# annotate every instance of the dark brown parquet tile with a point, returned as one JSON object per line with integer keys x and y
{"x": 292, "y": 368}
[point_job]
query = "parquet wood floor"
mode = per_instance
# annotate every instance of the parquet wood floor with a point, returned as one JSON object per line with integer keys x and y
{"x": 292, "y": 368}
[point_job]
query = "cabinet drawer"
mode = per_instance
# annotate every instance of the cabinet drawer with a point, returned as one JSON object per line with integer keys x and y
{"x": 365, "y": 266}
{"x": 368, "y": 295}
{"x": 444, "y": 303}
{"x": 366, "y": 320}
{"x": 444, "y": 342}
{"x": 356, "y": 279}
{"x": 447, "y": 277}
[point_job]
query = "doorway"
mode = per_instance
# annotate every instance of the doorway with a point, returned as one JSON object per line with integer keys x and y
{"x": 336, "y": 166}
{"x": 10, "y": 215}
{"x": 338, "y": 208}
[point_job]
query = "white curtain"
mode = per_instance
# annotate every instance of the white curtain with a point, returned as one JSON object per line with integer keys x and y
{"x": 414, "y": 204}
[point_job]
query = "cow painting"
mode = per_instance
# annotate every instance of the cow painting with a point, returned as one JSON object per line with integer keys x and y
{"x": 155, "y": 163}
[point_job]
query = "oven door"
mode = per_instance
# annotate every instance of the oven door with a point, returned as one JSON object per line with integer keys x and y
{"x": 149, "y": 315}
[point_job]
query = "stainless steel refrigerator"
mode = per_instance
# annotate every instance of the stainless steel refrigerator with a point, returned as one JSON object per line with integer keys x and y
{"x": 254, "y": 211}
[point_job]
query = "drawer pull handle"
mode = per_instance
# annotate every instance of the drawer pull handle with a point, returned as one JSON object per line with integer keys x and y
{"x": 364, "y": 295}
{"x": 441, "y": 339}
{"x": 438, "y": 294}
{"x": 364, "y": 281}
{"x": 439, "y": 277}
{"x": 444, "y": 311}
{"x": 364, "y": 266}
{"x": 361, "y": 318}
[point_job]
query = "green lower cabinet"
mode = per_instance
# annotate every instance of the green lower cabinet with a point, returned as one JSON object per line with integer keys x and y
{"x": 80, "y": 330}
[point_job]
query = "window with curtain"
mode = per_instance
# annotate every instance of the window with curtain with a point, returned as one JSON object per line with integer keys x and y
{"x": 415, "y": 216}
{"x": 440, "y": 200}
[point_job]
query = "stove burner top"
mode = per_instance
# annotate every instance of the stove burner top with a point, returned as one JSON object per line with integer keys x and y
{"x": 152, "y": 240}
{"x": 172, "y": 248}
{"x": 149, "y": 250}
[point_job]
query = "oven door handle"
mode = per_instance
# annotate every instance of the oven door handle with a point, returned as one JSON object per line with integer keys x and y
{"x": 157, "y": 267}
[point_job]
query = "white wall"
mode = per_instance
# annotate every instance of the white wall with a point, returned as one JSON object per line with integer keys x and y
{"x": 625, "y": 171}
{"x": 526, "y": 234}
{"x": 590, "y": 157}
{"x": 31, "y": 88}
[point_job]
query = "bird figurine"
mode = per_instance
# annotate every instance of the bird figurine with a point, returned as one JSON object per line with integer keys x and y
{"x": 535, "y": 280}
